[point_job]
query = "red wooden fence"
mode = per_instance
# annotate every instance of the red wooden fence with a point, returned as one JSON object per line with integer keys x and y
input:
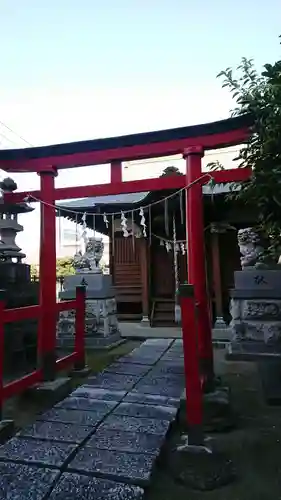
{"x": 77, "y": 358}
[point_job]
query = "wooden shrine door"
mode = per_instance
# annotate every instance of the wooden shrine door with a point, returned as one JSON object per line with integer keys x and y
{"x": 162, "y": 272}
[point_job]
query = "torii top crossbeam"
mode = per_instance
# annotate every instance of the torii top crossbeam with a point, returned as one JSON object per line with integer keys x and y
{"x": 213, "y": 135}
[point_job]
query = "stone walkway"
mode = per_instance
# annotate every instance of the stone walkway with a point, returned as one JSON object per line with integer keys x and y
{"x": 103, "y": 440}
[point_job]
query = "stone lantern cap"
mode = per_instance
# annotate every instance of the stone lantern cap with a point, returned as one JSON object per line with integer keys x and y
{"x": 8, "y": 185}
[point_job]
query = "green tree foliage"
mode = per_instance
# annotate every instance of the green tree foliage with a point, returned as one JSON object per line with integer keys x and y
{"x": 65, "y": 267}
{"x": 260, "y": 96}
{"x": 168, "y": 171}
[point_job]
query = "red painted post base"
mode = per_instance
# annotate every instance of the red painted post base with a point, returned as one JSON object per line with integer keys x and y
{"x": 194, "y": 398}
{"x": 47, "y": 363}
{"x": 208, "y": 379}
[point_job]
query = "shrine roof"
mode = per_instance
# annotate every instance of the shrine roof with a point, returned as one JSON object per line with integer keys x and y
{"x": 122, "y": 199}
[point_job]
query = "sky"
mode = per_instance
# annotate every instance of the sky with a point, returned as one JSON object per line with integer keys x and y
{"x": 79, "y": 70}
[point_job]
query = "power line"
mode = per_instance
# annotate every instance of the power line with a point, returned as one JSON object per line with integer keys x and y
{"x": 15, "y": 133}
{"x": 7, "y": 139}
{"x": 170, "y": 159}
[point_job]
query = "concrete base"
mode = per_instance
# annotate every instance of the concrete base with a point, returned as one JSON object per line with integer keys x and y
{"x": 145, "y": 322}
{"x": 52, "y": 391}
{"x": 140, "y": 331}
{"x": 67, "y": 342}
{"x": 201, "y": 467}
{"x": 251, "y": 351}
{"x": 217, "y": 410}
{"x": 7, "y": 428}
{"x": 270, "y": 374}
{"x": 84, "y": 372}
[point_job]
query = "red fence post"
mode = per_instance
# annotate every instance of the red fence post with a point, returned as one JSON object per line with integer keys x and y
{"x": 80, "y": 327}
{"x": 194, "y": 401}
{"x": 2, "y": 344}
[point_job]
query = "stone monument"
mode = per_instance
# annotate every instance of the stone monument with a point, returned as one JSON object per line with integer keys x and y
{"x": 255, "y": 302}
{"x": 21, "y": 336}
{"x": 102, "y": 329}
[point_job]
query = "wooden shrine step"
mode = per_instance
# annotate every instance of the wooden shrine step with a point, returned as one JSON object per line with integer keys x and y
{"x": 163, "y": 312}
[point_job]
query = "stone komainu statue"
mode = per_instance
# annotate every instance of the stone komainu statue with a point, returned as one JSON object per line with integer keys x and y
{"x": 250, "y": 247}
{"x": 89, "y": 261}
{"x": 94, "y": 251}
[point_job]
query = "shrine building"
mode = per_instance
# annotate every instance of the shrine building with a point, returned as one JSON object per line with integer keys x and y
{"x": 148, "y": 250}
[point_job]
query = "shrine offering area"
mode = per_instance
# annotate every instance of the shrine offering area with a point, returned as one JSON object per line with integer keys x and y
{"x": 102, "y": 441}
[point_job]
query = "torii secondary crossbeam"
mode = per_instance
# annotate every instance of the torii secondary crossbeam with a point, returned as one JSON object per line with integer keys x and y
{"x": 189, "y": 141}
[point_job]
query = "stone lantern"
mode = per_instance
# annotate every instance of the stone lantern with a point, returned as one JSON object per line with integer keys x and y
{"x": 9, "y": 226}
{"x": 20, "y": 337}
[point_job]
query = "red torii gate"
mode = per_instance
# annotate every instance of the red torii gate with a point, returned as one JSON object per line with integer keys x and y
{"x": 189, "y": 141}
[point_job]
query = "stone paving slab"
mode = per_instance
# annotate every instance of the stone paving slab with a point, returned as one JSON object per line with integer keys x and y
{"x": 172, "y": 362}
{"x": 150, "y": 399}
{"x": 87, "y": 404}
{"x": 136, "y": 424}
{"x": 128, "y": 369}
{"x": 148, "y": 351}
{"x": 113, "y": 381}
{"x": 128, "y": 467}
{"x": 163, "y": 368}
{"x": 176, "y": 349}
{"x": 173, "y": 358}
{"x": 159, "y": 342}
{"x": 37, "y": 452}
{"x": 23, "y": 482}
{"x": 178, "y": 342}
{"x": 163, "y": 380}
{"x": 87, "y": 391}
{"x": 76, "y": 487}
{"x": 131, "y": 442}
{"x": 168, "y": 392}
{"x": 87, "y": 418}
{"x": 146, "y": 411}
{"x": 56, "y": 431}
{"x": 139, "y": 360}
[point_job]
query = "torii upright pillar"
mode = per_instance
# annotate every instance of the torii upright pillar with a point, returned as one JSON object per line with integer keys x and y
{"x": 197, "y": 262}
{"x": 47, "y": 321}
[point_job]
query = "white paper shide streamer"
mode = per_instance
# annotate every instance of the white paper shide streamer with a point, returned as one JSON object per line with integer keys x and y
{"x": 143, "y": 222}
{"x": 124, "y": 225}
{"x": 168, "y": 246}
{"x": 105, "y": 220}
{"x": 84, "y": 232}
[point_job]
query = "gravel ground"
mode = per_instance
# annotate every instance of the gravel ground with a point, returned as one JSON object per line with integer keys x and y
{"x": 253, "y": 446}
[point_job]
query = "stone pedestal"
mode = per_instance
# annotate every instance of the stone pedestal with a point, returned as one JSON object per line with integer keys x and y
{"x": 102, "y": 329}
{"x": 256, "y": 314}
{"x": 20, "y": 337}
